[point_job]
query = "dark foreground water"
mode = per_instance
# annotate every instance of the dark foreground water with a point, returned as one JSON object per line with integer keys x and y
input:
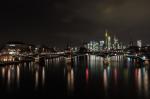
{"x": 86, "y": 76}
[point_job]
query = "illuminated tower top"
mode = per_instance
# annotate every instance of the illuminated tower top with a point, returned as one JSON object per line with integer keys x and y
{"x": 106, "y": 33}
{"x": 107, "y": 39}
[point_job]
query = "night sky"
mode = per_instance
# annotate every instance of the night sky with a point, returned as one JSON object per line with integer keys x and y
{"x": 57, "y": 22}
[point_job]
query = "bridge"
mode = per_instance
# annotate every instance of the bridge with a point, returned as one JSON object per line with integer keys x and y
{"x": 142, "y": 58}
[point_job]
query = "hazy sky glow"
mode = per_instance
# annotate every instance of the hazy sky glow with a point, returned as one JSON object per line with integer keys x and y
{"x": 60, "y": 21}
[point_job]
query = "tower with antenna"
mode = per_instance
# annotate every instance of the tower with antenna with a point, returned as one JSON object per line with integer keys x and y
{"x": 107, "y": 40}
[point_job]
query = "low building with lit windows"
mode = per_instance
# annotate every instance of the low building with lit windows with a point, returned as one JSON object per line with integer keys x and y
{"x": 12, "y": 51}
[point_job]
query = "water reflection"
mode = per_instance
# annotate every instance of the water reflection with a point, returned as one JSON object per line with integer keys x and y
{"x": 3, "y": 72}
{"x": 126, "y": 75}
{"x": 43, "y": 76}
{"x": 8, "y": 78}
{"x": 87, "y": 74}
{"x": 39, "y": 76}
{"x": 121, "y": 72}
{"x": 18, "y": 76}
{"x": 105, "y": 80}
{"x": 115, "y": 76}
{"x": 84, "y": 75}
{"x": 142, "y": 81}
{"x": 146, "y": 83}
{"x": 70, "y": 77}
{"x": 139, "y": 80}
{"x": 36, "y": 79}
{"x": 12, "y": 74}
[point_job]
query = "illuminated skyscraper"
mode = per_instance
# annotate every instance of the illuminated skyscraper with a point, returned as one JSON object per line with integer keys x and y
{"x": 115, "y": 43}
{"x": 101, "y": 43}
{"x": 93, "y": 46}
{"x": 106, "y": 39}
{"x": 109, "y": 42}
{"x": 139, "y": 43}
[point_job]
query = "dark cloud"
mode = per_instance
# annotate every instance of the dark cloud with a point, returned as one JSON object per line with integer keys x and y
{"x": 61, "y": 21}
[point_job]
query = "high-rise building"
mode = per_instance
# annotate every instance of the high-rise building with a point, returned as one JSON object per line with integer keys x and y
{"x": 93, "y": 46}
{"x": 109, "y": 42}
{"x": 115, "y": 43}
{"x": 106, "y": 39}
{"x": 101, "y": 43}
{"x": 139, "y": 43}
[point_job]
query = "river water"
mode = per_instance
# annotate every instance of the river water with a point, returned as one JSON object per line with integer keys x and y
{"x": 85, "y": 76}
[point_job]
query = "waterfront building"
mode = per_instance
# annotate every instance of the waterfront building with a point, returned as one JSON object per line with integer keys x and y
{"x": 16, "y": 48}
{"x": 12, "y": 51}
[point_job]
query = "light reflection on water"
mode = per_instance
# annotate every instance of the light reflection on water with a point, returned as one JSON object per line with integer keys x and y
{"x": 120, "y": 72}
{"x": 105, "y": 79}
{"x": 86, "y": 74}
{"x": 36, "y": 78}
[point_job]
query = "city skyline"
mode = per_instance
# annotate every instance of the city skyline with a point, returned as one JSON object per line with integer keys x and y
{"x": 109, "y": 41}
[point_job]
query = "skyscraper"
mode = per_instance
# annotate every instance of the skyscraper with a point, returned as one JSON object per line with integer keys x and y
{"x": 109, "y": 42}
{"x": 106, "y": 39}
{"x": 139, "y": 43}
{"x": 115, "y": 43}
{"x": 101, "y": 43}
